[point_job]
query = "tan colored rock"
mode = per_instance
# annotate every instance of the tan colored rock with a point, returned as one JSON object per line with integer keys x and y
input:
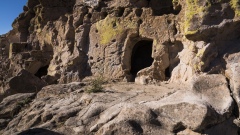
{"x": 24, "y": 82}
{"x": 232, "y": 73}
{"x": 101, "y": 35}
{"x": 146, "y": 41}
{"x": 188, "y": 132}
{"x": 214, "y": 90}
{"x": 12, "y": 105}
{"x": 123, "y": 108}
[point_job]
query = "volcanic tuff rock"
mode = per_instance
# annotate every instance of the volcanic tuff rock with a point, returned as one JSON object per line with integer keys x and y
{"x": 125, "y": 108}
{"x": 195, "y": 43}
{"x": 185, "y": 38}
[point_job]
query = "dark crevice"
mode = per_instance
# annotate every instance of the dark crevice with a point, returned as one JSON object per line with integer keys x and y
{"x": 173, "y": 51}
{"x": 139, "y": 22}
{"x": 89, "y": 15}
{"x": 159, "y": 7}
{"x": 102, "y": 4}
{"x": 162, "y": 7}
{"x": 165, "y": 10}
{"x": 167, "y": 73}
{"x": 138, "y": 12}
{"x": 120, "y": 11}
{"x": 179, "y": 127}
{"x": 136, "y": 127}
{"x": 154, "y": 120}
{"x": 39, "y": 131}
{"x": 235, "y": 105}
{"x": 42, "y": 71}
{"x": 104, "y": 15}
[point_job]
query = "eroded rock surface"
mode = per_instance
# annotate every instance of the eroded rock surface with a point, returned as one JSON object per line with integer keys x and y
{"x": 192, "y": 43}
{"x": 12, "y": 105}
{"x": 124, "y": 108}
{"x": 102, "y": 36}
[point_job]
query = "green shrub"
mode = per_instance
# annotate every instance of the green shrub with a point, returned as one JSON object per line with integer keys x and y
{"x": 24, "y": 102}
{"x": 95, "y": 85}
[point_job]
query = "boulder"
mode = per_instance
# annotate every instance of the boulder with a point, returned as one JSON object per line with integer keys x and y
{"x": 186, "y": 48}
{"x": 214, "y": 90}
{"x": 24, "y": 82}
{"x": 233, "y": 72}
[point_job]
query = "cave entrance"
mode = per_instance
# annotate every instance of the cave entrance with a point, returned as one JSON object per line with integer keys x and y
{"x": 42, "y": 71}
{"x": 141, "y": 56}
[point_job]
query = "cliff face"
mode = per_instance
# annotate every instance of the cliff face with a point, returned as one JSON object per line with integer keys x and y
{"x": 146, "y": 41}
{"x": 74, "y": 39}
{"x": 101, "y": 35}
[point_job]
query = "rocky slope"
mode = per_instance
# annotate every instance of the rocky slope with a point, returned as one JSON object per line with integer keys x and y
{"x": 123, "y": 108}
{"x": 195, "y": 43}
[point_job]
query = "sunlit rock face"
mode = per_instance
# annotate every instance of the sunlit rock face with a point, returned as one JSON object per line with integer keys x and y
{"x": 191, "y": 42}
{"x": 78, "y": 38}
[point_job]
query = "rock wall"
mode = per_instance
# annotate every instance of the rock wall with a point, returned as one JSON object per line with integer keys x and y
{"x": 146, "y": 41}
{"x": 79, "y": 38}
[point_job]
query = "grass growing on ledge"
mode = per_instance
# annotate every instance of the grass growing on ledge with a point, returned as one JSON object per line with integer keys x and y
{"x": 194, "y": 9}
{"x": 96, "y": 85}
{"x": 24, "y": 102}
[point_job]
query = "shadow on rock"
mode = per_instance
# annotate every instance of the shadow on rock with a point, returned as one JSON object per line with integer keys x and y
{"x": 39, "y": 131}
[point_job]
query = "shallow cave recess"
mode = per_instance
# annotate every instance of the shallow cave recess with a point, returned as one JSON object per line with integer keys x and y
{"x": 161, "y": 7}
{"x": 174, "y": 60}
{"x": 42, "y": 71}
{"x": 141, "y": 56}
{"x": 168, "y": 73}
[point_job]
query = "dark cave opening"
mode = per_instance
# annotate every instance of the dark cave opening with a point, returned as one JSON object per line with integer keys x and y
{"x": 162, "y": 7}
{"x": 119, "y": 11}
{"x": 165, "y": 10}
{"x": 141, "y": 56}
{"x": 42, "y": 71}
{"x": 167, "y": 73}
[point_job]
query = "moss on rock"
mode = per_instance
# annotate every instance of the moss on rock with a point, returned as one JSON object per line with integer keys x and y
{"x": 235, "y": 4}
{"x": 112, "y": 27}
{"x": 194, "y": 9}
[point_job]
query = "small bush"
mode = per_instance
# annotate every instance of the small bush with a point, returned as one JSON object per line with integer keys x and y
{"x": 95, "y": 85}
{"x": 23, "y": 102}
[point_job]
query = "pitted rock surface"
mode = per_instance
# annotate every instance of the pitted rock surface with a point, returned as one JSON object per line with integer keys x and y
{"x": 188, "y": 47}
{"x": 126, "y": 108}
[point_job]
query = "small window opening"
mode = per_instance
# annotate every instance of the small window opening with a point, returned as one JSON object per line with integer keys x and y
{"x": 42, "y": 71}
